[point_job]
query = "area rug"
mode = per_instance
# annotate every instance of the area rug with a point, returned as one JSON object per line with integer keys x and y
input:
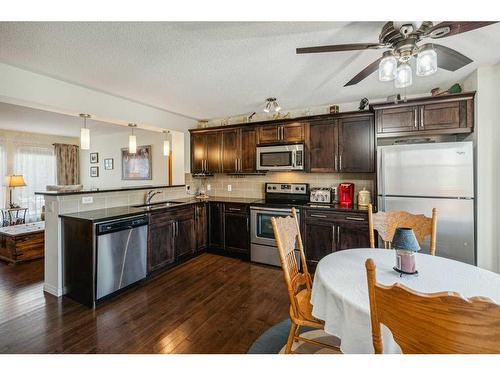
{"x": 273, "y": 341}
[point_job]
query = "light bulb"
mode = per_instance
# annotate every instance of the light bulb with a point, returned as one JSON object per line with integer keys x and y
{"x": 132, "y": 144}
{"x": 166, "y": 148}
{"x": 426, "y": 61}
{"x": 84, "y": 139}
{"x": 403, "y": 76}
{"x": 277, "y": 108}
{"x": 387, "y": 67}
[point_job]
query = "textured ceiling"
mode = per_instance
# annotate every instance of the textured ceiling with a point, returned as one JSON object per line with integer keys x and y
{"x": 206, "y": 70}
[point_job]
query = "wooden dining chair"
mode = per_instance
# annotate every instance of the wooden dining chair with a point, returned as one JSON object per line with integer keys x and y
{"x": 385, "y": 223}
{"x": 432, "y": 323}
{"x": 287, "y": 234}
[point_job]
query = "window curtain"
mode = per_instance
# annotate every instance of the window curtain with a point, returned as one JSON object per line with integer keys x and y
{"x": 37, "y": 165}
{"x": 67, "y": 164}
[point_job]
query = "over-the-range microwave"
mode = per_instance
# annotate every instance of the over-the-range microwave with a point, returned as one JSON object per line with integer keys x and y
{"x": 289, "y": 157}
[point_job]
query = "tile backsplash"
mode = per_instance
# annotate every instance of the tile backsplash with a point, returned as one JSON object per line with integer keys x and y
{"x": 253, "y": 186}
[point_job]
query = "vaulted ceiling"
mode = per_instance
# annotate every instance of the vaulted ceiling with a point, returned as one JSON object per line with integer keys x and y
{"x": 206, "y": 69}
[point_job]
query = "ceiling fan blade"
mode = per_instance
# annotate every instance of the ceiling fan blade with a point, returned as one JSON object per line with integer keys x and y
{"x": 449, "y": 59}
{"x": 364, "y": 73}
{"x": 448, "y": 28}
{"x": 340, "y": 48}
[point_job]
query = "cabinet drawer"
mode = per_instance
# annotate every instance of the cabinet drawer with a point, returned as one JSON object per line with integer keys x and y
{"x": 336, "y": 216}
{"x": 236, "y": 208}
{"x": 182, "y": 213}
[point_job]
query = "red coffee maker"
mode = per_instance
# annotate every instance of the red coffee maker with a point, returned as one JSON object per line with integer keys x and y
{"x": 346, "y": 193}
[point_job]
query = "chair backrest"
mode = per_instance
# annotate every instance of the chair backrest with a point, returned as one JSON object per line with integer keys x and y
{"x": 287, "y": 234}
{"x": 434, "y": 323}
{"x": 385, "y": 223}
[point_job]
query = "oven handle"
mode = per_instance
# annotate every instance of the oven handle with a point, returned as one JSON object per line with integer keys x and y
{"x": 288, "y": 210}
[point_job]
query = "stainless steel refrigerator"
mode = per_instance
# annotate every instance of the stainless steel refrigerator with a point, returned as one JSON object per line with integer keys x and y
{"x": 418, "y": 177}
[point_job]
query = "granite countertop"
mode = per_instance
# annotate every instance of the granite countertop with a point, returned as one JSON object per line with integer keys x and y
{"x": 106, "y": 190}
{"x": 124, "y": 211}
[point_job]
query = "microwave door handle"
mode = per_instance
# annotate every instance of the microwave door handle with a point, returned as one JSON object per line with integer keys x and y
{"x": 293, "y": 159}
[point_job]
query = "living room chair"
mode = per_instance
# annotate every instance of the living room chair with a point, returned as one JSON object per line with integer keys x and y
{"x": 287, "y": 234}
{"x": 385, "y": 223}
{"x": 432, "y": 323}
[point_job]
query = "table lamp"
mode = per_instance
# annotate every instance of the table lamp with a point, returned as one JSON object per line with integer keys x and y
{"x": 16, "y": 180}
{"x": 406, "y": 245}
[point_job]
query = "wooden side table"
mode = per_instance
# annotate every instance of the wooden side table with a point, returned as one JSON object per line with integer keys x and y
{"x": 19, "y": 243}
{"x": 13, "y": 216}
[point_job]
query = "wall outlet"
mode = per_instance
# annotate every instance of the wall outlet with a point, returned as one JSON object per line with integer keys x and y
{"x": 229, "y": 188}
{"x": 209, "y": 187}
{"x": 188, "y": 188}
{"x": 87, "y": 200}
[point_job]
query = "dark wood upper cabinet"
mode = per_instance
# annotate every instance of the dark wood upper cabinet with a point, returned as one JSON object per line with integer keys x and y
{"x": 323, "y": 146}
{"x": 206, "y": 152}
{"x": 213, "y": 163}
{"x": 356, "y": 143}
{"x": 230, "y": 150}
{"x": 198, "y": 152}
{"x": 281, "y": 133}
{"x": 449, "y": 114}
{"x": 248, "y": 152}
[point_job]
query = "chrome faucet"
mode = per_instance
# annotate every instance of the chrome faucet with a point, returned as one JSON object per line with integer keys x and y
{"x": 150, "y": 194}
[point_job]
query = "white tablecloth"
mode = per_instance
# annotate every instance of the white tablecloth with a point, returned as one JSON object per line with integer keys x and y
{"x": 340, "y": 291}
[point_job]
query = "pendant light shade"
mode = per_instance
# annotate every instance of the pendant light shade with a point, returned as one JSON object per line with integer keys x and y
{"x": 132, "y": 140}
{"x": 272, "y": 105}
{"x": 403, "y": 76}
{"x": 166, "y": 144}
{"x": 387, "y": 67}
{"x": 84, "y": 133}
{"x": 426, "y": 61}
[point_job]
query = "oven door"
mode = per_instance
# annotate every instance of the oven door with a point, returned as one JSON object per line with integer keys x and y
{"x": 261, "y": 227}
{"x": 279, "y": 158}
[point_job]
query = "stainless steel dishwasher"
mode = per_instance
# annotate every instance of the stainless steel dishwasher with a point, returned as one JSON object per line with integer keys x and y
{"x": 121, "y": 253}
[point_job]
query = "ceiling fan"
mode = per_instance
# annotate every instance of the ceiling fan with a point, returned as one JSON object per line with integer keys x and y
{"x": 402, "y": 41}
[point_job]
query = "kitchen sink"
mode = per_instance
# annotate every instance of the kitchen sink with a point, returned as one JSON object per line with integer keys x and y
{"x": 155, "y": 205}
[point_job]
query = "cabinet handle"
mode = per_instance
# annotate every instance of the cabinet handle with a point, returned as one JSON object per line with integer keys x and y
{"x": 336, "y": 157}
{"x": 234, "y": 209}
{"x": 333, "y": 238}
{"x": 282, "y": 136}
{"x": 239, "y": 168}
{"x": 338, "y": 237}
{"x": 354, "y": 218}
{"x": 415, "y": 123}
{"x": 422, "y": 117}
{"x": 236, "y": 165}
{"x": 340, "y": 162}
{"x": 320, "y": 216}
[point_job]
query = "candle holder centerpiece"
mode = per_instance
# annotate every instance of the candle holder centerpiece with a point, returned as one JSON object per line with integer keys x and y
{"x": 406, "y": 245}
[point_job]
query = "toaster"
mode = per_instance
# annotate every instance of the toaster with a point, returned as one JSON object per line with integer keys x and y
{"x": 321, "y": 195}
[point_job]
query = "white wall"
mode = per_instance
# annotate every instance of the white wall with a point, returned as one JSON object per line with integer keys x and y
{"x": 109, "y": 146}
{"x": 486, "y": 137}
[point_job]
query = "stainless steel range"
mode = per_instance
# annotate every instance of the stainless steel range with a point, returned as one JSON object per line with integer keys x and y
{"x": 280, "y": 198}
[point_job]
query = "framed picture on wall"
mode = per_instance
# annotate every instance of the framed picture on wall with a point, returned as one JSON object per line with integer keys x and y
{"x": 94, "y": 157}
{"x": 94, "y": 171}
{"x": 137, "y": 166}
{"x": 109, "y": 164}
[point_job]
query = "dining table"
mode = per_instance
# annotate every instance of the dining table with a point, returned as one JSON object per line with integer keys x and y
{"x": 340, "y": 291}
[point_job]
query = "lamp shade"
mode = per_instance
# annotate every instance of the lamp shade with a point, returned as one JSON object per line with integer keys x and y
{"x": 16, "y": 180}
{"x": 404, "y": 239}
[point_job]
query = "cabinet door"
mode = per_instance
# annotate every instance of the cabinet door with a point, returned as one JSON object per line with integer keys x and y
{"x": 161, "y": 247}
{"x": 352, "y": 236}
{"x": 237, "y": 232}
{"x": 213, "y": 159}
{"x": 216, "y": 225}
{"x": 323, "y": 146}
{"x": 447, "y": 115}
{"x": 185, "y": 237}
{"x": 292, "y": 132}
{"x": 397, "y": 120}
{"x": 248, "y": 155}
{"x": 198, "y": 152}
{"x": 201, "y": 226}
{"x": 356, "y": 142}
{"x": 319, "y": 240}
{"x": 269, "y": 134}
{"x": 230, "y": 150}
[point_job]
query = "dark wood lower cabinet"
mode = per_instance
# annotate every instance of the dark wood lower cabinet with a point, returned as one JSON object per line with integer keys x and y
{"x": 216, "y": 225}
{"x": 184, "y": 236}
{"x": 237, "y": 229}
{"x": 327, "y": 232}
{"x": 161, "y": 245}
{"x": 201, "y": 226}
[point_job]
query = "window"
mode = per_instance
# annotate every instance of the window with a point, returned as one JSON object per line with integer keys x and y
{"x": 38, "y": 166}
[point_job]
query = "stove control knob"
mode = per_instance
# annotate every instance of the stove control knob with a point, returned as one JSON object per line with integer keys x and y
{"x": 302, "y": 188}
{"x": 297, "y": 188}
{"x": 274, "y": 187}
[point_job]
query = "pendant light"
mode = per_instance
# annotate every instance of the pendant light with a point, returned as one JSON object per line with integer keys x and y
{"x": 132, "y": 140}
{"x": 166, "y": 143}
{"x": 403, "y": 76}
{"x": 271, "y": 105}
{"x": 387, "y": 67}
{"x": 84, "y": 133}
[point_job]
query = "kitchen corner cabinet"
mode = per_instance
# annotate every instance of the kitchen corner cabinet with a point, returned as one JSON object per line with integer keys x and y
{"x": 344, "y": 143}
{"x": 326, "y": 232}
{"x": 450, "y": 114}
{"x": 282, "y": 133}
{"x": 206, "y": 152}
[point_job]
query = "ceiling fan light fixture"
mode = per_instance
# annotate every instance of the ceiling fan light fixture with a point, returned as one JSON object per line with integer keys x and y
{"x": 403, "y": 76}
{"x": 272, "y": 105}
{"x": 426, "y": 61}
{"x": 387, "y": 67}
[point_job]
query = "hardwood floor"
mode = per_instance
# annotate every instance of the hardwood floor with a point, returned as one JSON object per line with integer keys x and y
{"x": 210, "y": 304}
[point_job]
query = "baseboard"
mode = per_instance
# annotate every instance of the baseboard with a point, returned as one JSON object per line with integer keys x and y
{"x": 52, "y": 290}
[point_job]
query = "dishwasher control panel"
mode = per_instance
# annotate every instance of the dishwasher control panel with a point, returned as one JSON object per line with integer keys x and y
{"x": 121, "y": 224}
